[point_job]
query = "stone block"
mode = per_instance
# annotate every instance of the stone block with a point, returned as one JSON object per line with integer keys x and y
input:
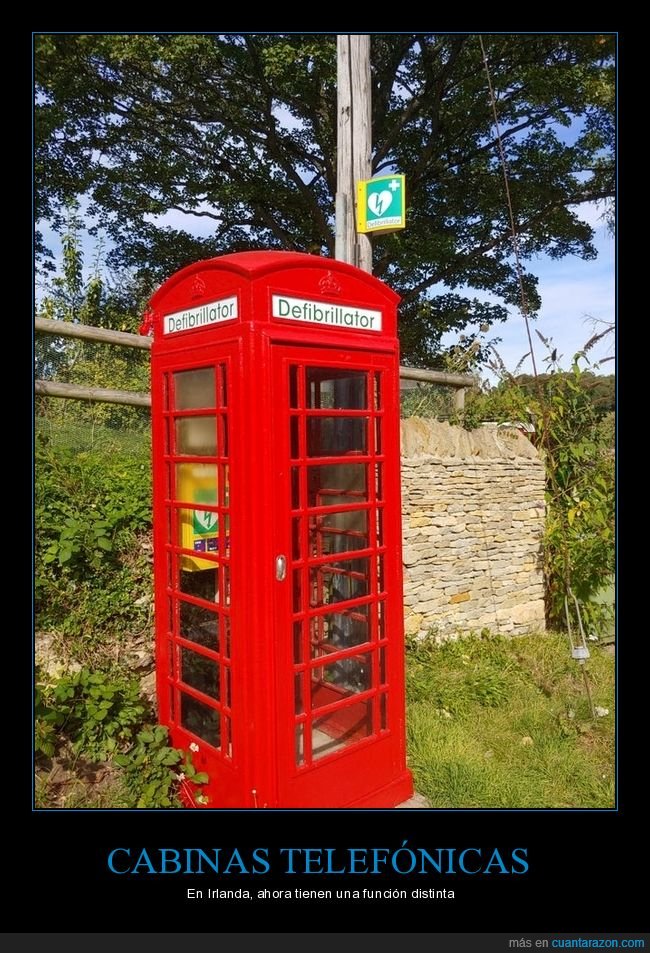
{"x": 459, "y": 597}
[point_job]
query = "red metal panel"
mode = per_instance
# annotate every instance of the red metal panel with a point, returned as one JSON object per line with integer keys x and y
{"x": 222, "y": 764}
{"x": 257, "y": 314}
{"x": 375, "y": 761}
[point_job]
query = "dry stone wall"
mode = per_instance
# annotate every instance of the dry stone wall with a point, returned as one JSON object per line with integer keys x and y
{"x": 473, "y": 517}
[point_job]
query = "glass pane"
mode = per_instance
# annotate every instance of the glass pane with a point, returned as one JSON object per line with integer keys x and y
{"x": 383, "y": 712}
{"x": 297, "y": 642}
{"x": 380, "y": 527}
{"x": 293, "y": 387}
{"x": 295, "y": 488}
{"x": 198, "y": 529}
{"x": 223, "y": 386}
{"x": 295, "y": 442}
{"x": 194, "y": 388}
{"x": 298, "y": 695}
{"x": 297, "y": 589}
{"x": 197, "y": 436}
{"x": 224, "y": 485}
{"x": 339, "y": 389}
{"x": 225, "y": 628}
{"x": 223, "y": 433}
{"x": 336, "y": 484}
{"x": 378, "y": 403}
{"x": 379, "y": 483}
{"x": 338, "y": 630}
{"x": 200, "y": 719}
{"x": 339, "y": 581}
{"x": 341, "y": 728}
{"x": 332, "y": 436}
{"x": 225, "y": 584}
{"x": 200, "y": 672}
{"x": 335, "y": 681}
{"x": 227, "y": 749}
{"x": 199, "y": 625}
{"x": 380, "y": 573}
{"x": 202, "y": 583}
{"x": 196, "y": 483}
{"x": 300, "y": 752}
{"x": 296, "y": 533}
{"x": 340, "y": 532}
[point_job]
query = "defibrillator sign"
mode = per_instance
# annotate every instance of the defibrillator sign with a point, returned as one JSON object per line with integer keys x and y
{"x": 205, "y": 315}
{"x": 381, "y": 204}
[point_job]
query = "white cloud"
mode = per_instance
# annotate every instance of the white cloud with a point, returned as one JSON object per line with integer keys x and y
{"x": 201, "y": 226}
{"x": 591, "y": 213}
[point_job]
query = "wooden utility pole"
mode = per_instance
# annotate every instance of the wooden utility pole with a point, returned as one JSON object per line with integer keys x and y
{"x": 354, "y": 144}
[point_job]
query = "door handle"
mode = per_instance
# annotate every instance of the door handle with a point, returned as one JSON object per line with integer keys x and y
{"x": 280, "y": 568}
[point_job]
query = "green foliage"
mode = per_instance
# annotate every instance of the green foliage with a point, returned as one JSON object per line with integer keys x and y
{"x": 508, "y": 402}
{"x": 427, "y": 400}
{"x": 102, "y": 716}
{"x": 580, "y": 544}
{"x": 149, "y": 769}
{"x": 504, "y": 722}
{"x": 606, "y": 430}
{"x": 575, "y": 433}
{"x": 47, "y": 722}
{"x": 193, "y": 124}
{"x": 81, "y": 541}
{"x": 483, "y": 677}
{"x": 96, "y": 711}
{"x": 92, "y": 511}
{"x": 93, "y": 302}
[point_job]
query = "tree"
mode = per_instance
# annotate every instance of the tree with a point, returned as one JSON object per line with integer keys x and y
{"x": 600, "y": 388}
{"x": 240, "y": 129}
{"x": 96, "y": 302}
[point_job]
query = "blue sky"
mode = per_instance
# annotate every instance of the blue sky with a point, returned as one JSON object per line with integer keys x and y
{"x": 573, "y": 291}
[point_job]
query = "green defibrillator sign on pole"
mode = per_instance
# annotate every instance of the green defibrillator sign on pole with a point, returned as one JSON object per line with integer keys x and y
{"x": 381, "y": 204}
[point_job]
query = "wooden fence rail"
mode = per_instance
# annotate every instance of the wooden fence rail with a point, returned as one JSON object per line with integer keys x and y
{"x": 459, "y": 382}
{"x": 102, "y": 394}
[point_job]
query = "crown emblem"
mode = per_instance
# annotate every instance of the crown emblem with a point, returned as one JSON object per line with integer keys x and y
{"x": 329, "y": 284}
{"x": 198, "y": 287}
{"x": 148, "y": 321}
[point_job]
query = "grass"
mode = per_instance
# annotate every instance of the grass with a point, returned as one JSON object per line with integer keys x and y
{"x": 505, "y": 723}
{"x": 74, "y": 434}
{"x": 492, "y": 722}
{"x": 79, "y": 793}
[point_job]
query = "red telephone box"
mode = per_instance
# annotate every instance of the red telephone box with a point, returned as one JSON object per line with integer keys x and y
{"x": 277, "y": 530}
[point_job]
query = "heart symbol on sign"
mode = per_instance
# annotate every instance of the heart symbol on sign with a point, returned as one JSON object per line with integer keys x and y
{"x": 379, "y": 202}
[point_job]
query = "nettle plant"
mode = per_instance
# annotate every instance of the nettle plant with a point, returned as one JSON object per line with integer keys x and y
{"x": 154, "y": 771}
{"x": 102, "y": 717}
{"x": 95, "y": 711}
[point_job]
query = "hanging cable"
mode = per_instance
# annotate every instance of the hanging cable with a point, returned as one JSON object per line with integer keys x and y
{"x": 579, "y": 652}
{"x": 513, "y": 228}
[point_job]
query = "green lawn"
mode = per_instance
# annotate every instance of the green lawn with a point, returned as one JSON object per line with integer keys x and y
{"x": 505, "y": 723}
